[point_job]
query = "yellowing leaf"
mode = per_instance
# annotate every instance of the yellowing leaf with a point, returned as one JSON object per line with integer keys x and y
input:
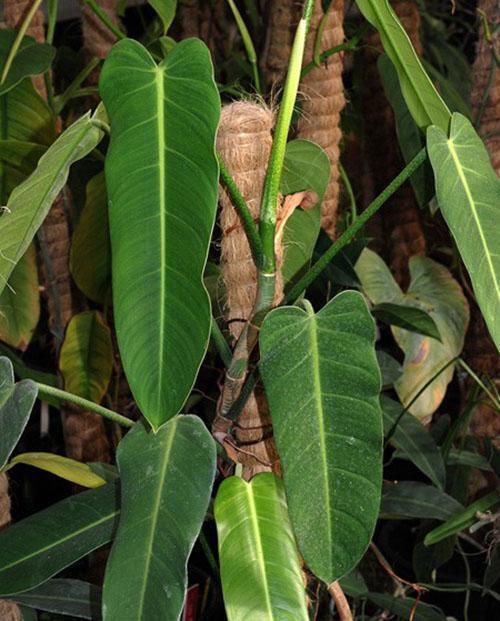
{"x": 63, "y": 467}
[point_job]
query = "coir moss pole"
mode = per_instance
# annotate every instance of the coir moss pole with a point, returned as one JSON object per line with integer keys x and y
{"x": 400, "y": 219}
{"x": 98, "y": 39}
{"x": 322, "y": 98}
{"x": 244, "y": 144}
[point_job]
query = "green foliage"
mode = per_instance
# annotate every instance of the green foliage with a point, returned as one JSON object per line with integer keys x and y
{"x": 160, "y": 219}
{"x": 256, "y": 539}
{"x": 30, "y": 201}
{"x": 16, "y": 403}
{"x": 433, "y": 290}
{"x": 468, "y": 193}
{"x": 412, "y": 499}
{"x": 166, "y": 11}
{"x": 42, "y": 545}
{"x": 86, "y": 358}
{"x": 166, "y": 482}
{"x": 322, "y": 381}
{"x": 31, "y": 59}
{"x": 409, "y": 318}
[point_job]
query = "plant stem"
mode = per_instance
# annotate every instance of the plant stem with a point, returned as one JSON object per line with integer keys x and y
{"x": 95, "y": 8}
{"x": 480, "y": 383}
{"x": 220, "y": 343}
{"x": 248, "y": 43}
{"x": 350, "y": 193}
{"x": 52, "y": 6}
{"x": 51, "y": 391}
{"x": 343, "y": 47}
{"x": 244, "y": 213}
{"x": 356, "y": 226}
{"x": 68, "y": 94}
{"x": 19, "y": 37}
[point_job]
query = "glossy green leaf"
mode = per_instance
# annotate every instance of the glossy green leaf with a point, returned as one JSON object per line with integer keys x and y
{"x": 433, "y": 290}
{"x": 322, "y": 381}
{"x": 407, "y": 317}
{"x": 413, "y": 440}
{"x": 161, "y": 175}
{"x": 61, "y": 466}
{"x": 417, "y": 500}
{"x": 16, "y": 403}
{"x": 20, "y": 155}
{"x": 166, "y": 480}
{"x": 30, "y": 201}
{"x": 32, "y": 58}
{"x": 20, "y": 303}
{"x": 306, "y": 167}
{"x": 468, "y": 193}
{"x": 90, "y": 257}
{"x": 259, "y": 562}
{"x": 464, "y": 519}
{"x": 42, "y": 545}
{"x": 424, "y": 102}
{"x": 411, "y": 140}
{"x": 390, "y": 369}
{"x": 86, "y": 357}
{"x": 73, "y": 598}
{"x": 458, "y": 457}
{"x": 166, "y": 11}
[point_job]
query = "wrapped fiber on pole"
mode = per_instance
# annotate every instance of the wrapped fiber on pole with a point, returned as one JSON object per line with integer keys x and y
{"x": 322, "y": 95}
{"x": 244, "y": 143}
{"x": 400, "y": 217}
{"x": 481, "y": 351}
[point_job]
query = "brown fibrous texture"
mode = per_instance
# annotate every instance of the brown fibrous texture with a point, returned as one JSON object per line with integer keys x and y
{"x": 203, "y": 19}
{"x": 97, "y": 37}
{"x": 400, "y": 217}
{"x": 481, "y": 351}
{"x": 244, "y": 143}
{"x": 322, "y": 95}
{"x": 8, "y": 610}
{"x": 85, "y": 435}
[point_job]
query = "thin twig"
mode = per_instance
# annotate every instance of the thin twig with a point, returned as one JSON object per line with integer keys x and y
{"x": 340, "y": 600}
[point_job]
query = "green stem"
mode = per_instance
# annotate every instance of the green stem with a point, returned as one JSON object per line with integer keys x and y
{"x": 348, "y": 188}
{"x": 356, "y": 226}
{"x": 319, "y": 36}
{"x": 248, "y": 43}
{"x": 52, "y": 6}
{"x": 275, "y": 167}
{"x": 17, "y": 41}
{"x": 220, "y": 343}
{"x": 51, "y": 391}
{"x": 95, "y": 8}
{"x": 343, "y": 47}
{"x": 244, "y": 213}
{"x": 480, "y": 383}
{"x": 69, "y": 93}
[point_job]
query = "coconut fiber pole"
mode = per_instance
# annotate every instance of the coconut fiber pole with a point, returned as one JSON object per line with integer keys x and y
{"x": 98, "y": 38}
{"x": 400, "y": 217}
{"x": 84, "y": 432}
{"x": 322, "y": 94}
{"x": 244, "y": 144}
{"x": 481, "y": 351}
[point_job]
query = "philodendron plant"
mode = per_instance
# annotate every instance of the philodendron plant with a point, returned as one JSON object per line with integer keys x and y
{"x": 320, "y": 372}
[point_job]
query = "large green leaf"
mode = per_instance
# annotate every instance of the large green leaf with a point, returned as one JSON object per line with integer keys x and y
{"x": 323, "y": 382}
{"x": 433, "y": 290}
{"x": 42, "y": 545}
{"x": 306, "y": 167}
{"x": 417, "y": 500}
{"x": 167, "y": 480}
{"x": 16, "y": 403}
{"x": 162, "y": 175}
{"x": 424, "y": 102}
{"x": 86, "y": 358}
{"x": 166, "y": 11}
{"x": 259, "y": 562}
{"x": 90, "y": 258}
{"x": 32, "y": 58}
{"x": 20, "y": 303}
{"x": 30, "y": 201}
{"x": 468, "y": 193}
{"x": 413, "y": 440}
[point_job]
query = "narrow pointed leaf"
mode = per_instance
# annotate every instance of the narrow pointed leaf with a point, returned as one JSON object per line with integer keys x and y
{"x": 413, "y": 440}
{"x": 161, "y": 175}
{"x": 323, "y": 382}
{"x": 42, "y": 545}
{"x": 260, "y": 567}
{"x": 61, "y": 466}
{"x": 30, "y": 202}
{"x": 409, "y": 318}
{"x": 16, "y": 403}
{"x": 167, "y": 480}
{"x": 424, "y": 102}
{"x": 68, "y": 597}
{"x": 166, "y": 11}
{"x": 86, "y": 358}
{"x": 468, "y": 193}
{"x": 20, "y": 303}
{"x": 413, "y": 499}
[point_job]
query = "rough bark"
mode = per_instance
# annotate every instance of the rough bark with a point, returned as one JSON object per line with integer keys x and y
{"x": 400, "y": 218}
{"x": 244, "y": 142}
{"x": 322, "y": 94}
{"x": 481, "y": 351}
